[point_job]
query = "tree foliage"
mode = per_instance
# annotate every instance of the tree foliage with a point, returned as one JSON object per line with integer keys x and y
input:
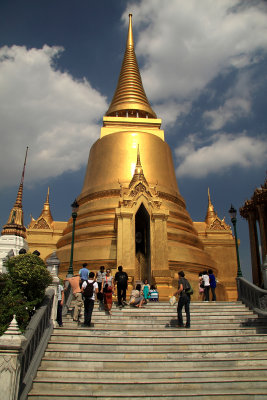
{"x": 22, "y": 289}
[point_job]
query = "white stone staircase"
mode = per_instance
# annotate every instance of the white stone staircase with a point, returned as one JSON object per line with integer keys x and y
{"x": 141, "y": 354}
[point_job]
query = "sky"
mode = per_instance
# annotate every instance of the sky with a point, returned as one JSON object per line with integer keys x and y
{"x": 204, "y": 69}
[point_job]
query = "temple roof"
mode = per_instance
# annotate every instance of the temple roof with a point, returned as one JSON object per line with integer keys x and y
{"x": 15, "y": 225}
{"x": 45, "y": 219}
{"x": 130, "y": 98}
{"x": 259, "y": 198}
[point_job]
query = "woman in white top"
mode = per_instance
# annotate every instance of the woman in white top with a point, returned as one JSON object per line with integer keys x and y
{"x": 206, "y": 280}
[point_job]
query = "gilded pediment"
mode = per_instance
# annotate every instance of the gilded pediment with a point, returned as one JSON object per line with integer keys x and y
{"x": 218, "y": 225}
{"x": 41, "y": 224}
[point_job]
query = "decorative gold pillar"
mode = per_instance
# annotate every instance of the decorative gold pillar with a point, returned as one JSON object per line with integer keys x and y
{"x": 254, "y": 248}
{"x": 159, "y": 253}
{"x": 125, "y": 238}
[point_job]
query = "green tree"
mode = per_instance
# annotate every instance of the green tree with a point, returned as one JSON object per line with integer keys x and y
{"x": 22, "y": 289}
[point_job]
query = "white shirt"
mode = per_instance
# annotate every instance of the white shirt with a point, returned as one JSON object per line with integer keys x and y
{"x": 206, "y": 280}
{"x": 59, "y": 292}
{"x": 95, "y": 285}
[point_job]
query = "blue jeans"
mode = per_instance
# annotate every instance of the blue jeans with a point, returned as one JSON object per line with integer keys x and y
{"x": 184, "y": 301}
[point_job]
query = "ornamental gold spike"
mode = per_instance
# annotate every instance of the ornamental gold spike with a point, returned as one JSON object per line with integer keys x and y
{"x": 211, "y": 214}
{"x": 138, "y": 172}
{"x": 130, "y": 99}
{"x": 14, "y": 225}
{"x": 46, "y": 213}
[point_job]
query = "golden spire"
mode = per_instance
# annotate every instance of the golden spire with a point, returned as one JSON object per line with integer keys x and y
{"x": 46, "y": 213}
{"x": 14, "y": 225}
{"x": 211, "y": 214}
{"x": 138, "y": 172}
{"x": 130, "y": 99}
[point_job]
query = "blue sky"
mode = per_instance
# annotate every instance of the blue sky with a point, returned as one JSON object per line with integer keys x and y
{"x": 203, "y": 65}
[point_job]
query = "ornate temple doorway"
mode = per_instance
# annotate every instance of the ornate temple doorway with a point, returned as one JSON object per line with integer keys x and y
{"x": 142, "y": 245}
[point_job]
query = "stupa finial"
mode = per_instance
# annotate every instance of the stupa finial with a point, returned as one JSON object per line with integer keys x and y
{"x": 211, "y": 214}
{"x": 130, "y": 99}
{"x": 14, "y": 225}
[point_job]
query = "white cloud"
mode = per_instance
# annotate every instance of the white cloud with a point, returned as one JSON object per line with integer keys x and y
{"x": 186, "y": 44}
{"x": 237, "y": 104}
{"x": 223, "y": 152}
{"x": 47, "y": 110}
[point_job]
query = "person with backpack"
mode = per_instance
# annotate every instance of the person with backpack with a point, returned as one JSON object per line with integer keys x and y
{"x": 184, "y": 290}
{"x": 121, "y": 279}
{"x": 89, "y": 289}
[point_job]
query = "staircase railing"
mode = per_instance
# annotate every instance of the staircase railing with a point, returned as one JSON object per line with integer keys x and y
{"x": 252, "y": 296}
{"x": 37, "y": 334}
{"x": 68, "y": 294}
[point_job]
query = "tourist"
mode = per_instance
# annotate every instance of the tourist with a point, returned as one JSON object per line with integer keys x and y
{"x": 145, "y": 289}
{"x": 89, "y": 288}
{"x": 136, "y": 299}
{"x": 184, "y": 300}
{"x": 212, "y": 284}
{"x": 76, "y": 290}
{"x": 100, "y": 275}
{"x": 200, "y": 287}
{"x": 206, "y": 281}
{"x": 107, "y": 290}
{"x": 153, "y": 293}
{"x": 121, "y": 279}
{"x": 84, "y": 273}
{"x": 22, "y": 251}
{"x": 60, "y": 299}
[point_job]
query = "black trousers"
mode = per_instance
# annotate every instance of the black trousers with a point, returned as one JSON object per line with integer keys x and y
{"x": 121, "y": 293}
{"x": 99, "y": 294}
{"x": 213, "y": 293}
{"x": 184, "y": 301}
{"x": 59, "y": 313}
{"x": 206, "y": 293}
{"x": 88, "y": 310}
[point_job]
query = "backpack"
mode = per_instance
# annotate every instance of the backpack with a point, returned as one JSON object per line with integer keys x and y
{"x": 187, "y": 287}
{"x": 89, "y": 290}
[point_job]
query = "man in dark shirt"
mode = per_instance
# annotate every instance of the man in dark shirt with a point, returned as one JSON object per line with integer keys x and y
{"x": 121, "y": 278}
{"x": 184, "y": 300}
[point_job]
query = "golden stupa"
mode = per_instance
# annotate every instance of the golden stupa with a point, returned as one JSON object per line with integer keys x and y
{"x": 131, "y": 212}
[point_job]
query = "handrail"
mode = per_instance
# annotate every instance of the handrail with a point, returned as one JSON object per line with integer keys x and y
{"x": 37, "y": 334}
{"x": 68, "y": 294}
{"x": 252, "y": 296}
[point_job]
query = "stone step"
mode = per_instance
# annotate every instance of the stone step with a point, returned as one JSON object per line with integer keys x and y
{"x": 69, "y": 364}
{"x": 204, "y": 395}
{"x": 164, "y": 316}
{"x": 152, "y": 375}
{"x": 111, "y": 324}
{"x": 157, "y": 347}
{"x": 73, "y": 329}
{"x": 91, "y": 388}
{"x": 101, "y": 340}
{"x": 137, "y": 355}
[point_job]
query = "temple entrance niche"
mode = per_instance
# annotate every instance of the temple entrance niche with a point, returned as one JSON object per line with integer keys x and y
{"x": 142, "y": 244}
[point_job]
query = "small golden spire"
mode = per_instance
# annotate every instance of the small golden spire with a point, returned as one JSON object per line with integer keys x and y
{"x": 130, "y": 99}
{"x": 211, "y": 214}
{"x": 14, "y": 225}
{"x": 46, "y": 213}
{"x": 138, "y": 172}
